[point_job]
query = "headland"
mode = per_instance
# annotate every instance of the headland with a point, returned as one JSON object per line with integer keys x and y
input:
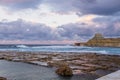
{"x": 99, "y": 41}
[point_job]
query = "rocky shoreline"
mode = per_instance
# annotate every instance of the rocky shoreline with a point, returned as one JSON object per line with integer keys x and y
{"x": 80, "y": 63}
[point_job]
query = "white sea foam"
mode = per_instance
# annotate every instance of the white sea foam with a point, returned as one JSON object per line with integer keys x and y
{"x": 85, "y": 51}
{"x": 62, "y": 48}
{"x": 22, "y": 46}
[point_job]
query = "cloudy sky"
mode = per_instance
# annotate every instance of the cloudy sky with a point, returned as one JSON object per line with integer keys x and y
{"x": 58, "y": 20}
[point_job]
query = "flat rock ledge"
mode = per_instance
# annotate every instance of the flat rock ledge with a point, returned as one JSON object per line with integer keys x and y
{"x": 80, "y": 63}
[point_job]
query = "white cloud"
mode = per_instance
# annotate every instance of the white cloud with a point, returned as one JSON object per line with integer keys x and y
{"x": 41, "y": 15}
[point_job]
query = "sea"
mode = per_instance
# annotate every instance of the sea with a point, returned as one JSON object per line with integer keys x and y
{"x": 23, "y": 71}
{"x": 60, "y": 48}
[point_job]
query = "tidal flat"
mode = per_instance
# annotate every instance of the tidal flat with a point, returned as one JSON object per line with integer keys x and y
{"x": 86, "y": 66}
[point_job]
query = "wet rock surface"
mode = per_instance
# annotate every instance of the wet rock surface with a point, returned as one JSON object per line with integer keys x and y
{"x": 64, "y": 71}
{"x": 80, "y": 63}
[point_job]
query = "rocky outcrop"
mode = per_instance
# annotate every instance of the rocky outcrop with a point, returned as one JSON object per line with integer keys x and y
{"x": 98, "y": 36}
{"x": 2, "y": 78}
{"x": 64, "y": 71}
{"x": 99, "y": 41}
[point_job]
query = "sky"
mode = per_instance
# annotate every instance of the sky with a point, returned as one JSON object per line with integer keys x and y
{"x": 49, "y": 21}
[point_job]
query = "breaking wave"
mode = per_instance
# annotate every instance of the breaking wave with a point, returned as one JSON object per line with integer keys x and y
{"x": 59, "y": 48}
{"x": 22, "y": 46}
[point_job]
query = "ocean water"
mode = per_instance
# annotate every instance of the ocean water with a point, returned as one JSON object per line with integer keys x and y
{"x": 59, "y": 48}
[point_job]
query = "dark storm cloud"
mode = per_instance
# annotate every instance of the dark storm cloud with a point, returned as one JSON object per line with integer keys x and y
{"x": 99, "y": 7}
{"x": 20, "y": 4}
{"x": 25, "y": 31}
{"x": 75, "y": 31}
{"x": 22, "y": 30}
{"x": 110, "y": 25}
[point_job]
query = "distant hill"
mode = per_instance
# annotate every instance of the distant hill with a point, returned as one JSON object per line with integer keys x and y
{"x": 99, "y": 41}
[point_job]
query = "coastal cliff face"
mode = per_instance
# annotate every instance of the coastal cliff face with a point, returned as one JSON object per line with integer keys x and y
{"x": 99, "y": 41}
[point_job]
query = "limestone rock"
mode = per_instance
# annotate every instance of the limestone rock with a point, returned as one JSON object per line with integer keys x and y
{"x": 98, "y": 36}
{"x": 64, "y": 71}
{"x": 99, "y": 41}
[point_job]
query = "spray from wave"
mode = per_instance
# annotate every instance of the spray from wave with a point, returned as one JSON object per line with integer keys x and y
{"x": 22, "y": 46}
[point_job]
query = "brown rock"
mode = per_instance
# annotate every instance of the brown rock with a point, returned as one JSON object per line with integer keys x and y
{"x": 2, "y": 78}
{"x": 99, "y": 41}
{"x": 64, "y": 71}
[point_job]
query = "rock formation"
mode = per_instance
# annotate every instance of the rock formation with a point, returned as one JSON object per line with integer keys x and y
{"x": 98, "y": 36}
{"x": 99, "y": 41}
{"x": 64, "y": 71}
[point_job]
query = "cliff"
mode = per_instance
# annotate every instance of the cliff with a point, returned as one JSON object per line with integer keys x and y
{"x": 99, "y": 41}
